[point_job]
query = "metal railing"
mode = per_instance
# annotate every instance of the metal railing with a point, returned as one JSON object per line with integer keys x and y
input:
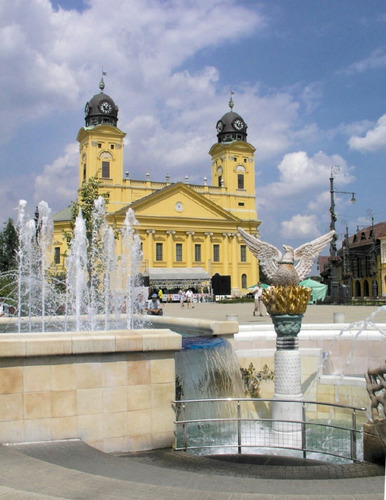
{"x": 238, "y": 423}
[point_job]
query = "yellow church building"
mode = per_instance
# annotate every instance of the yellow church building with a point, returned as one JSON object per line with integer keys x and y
{"x": 188, "y": 232}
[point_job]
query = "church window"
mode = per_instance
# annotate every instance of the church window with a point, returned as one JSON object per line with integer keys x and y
{"x": 244, "y": 281}
{"x": 216, "y": 253}
{"x": 106, "y": 169}
{"x": 178, "y": 252}
{"x": 158, "y": 251}
{"x": 99, "y": 145}
{"x": 241, "y": 204}
{"x": 57, "y": 255}
{"x": 219, "y": 180}
{"x": 240, "y": 181}
{"x": 243, "y": 253}
{"x": 197, "y": 252}
{"x": 111, "y": 146}
{"x": 84, "y": 173}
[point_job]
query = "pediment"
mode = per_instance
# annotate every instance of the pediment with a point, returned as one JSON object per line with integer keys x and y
{"x": 178, "y": 201}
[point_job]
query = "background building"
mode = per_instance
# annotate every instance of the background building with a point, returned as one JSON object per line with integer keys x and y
{"x": 188, "y": 231}
{"x": 361, "y": 264}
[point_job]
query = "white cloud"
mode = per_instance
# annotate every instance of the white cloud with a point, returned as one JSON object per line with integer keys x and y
{"x": 301, "y": 175}
{"x": 299, "y": 200}
{"x": 377, "y": 59}
{"x": 56, "y": 56}
{"x": 374, "y": 140}
{"x": 300, "y": 226}
{"x": 58, "y": 182}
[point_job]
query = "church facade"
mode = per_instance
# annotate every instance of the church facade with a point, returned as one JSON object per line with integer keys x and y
{"x": 188, "y": 232}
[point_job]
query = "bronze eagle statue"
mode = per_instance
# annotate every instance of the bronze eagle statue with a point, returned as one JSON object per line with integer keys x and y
{"x": 281, "y": 269}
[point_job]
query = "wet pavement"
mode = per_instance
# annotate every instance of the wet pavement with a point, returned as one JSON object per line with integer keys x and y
{"x": 73, "y": 470}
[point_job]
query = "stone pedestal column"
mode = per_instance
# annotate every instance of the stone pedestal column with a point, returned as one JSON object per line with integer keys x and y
{"x": 287, "y": 374}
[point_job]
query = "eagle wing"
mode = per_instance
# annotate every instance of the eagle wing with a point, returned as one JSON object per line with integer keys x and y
{"x": 267, "y": 254}
{"x": 306, "y": 253}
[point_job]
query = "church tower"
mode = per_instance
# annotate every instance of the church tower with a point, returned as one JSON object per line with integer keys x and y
{"x": 101, "y": 145}
{"x": 233, "y": 165}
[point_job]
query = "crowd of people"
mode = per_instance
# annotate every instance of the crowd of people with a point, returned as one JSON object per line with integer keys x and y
{"x": 154, "y": 304}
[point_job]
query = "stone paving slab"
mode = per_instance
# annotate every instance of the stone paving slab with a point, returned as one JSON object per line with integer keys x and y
{"x": 71, "y": 469}
{"x": 314, "y": 314}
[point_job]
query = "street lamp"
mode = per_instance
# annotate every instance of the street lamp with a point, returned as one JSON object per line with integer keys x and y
{"x": 333, "y": 251}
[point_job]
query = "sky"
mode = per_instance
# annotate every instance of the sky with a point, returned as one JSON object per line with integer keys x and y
{"x": 308, "y": 77}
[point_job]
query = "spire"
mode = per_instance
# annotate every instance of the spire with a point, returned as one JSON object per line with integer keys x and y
{"x": 231, "y": 103}
{"x": 102, "y": 83}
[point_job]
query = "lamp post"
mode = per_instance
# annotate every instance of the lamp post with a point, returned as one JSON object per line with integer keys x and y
{"x": 333, "y": 252}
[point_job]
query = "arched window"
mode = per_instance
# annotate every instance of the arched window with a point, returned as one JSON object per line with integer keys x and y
{"x": 106, "y": 157}
{"x": 244, "y": 281}
{"x": 105, "y": 169}
{"x": 240, "y": 181}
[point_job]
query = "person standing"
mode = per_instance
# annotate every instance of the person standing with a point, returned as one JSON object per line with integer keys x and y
{"x": 181, "y": 293}
{"x": 189, "y": 298}
{"x": 257, "y": 293}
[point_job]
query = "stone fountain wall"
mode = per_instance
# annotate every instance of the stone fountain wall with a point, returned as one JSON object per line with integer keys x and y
{"x": 112, "y": 390}
{"x": 325, "y": 356}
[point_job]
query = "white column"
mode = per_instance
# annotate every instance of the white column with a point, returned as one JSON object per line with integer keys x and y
{"x": 150, "y": 246}
{"x": 288, "y": 386}
{"x": 189, "y": 248}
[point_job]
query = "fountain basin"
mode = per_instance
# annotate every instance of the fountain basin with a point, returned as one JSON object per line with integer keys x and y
{"x": 112, "y": 389}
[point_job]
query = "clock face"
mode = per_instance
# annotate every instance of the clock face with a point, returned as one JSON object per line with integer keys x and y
{"x": 105, "y": 107}
{"x": 179, "y": 206}
{"x": 219, "y": 126}
{"x": 238, "y": 124}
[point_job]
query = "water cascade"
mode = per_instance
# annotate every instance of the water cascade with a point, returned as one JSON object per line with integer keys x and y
{"x": 207, "y": 368}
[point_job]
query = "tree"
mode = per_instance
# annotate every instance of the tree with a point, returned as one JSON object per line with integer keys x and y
{"x": 88, "y": 193}
{"x": 9, "y": 243}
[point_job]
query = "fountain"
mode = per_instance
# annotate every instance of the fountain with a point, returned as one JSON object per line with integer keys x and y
{"x": 99, "y": 285}
{"x": 118, "y": 384}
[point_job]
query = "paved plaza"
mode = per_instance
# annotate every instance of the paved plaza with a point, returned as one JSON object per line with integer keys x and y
{"x": 73, "y": 470}
{"x": 244, "y": 311}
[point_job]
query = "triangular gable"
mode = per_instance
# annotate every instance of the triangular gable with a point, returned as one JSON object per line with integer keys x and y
{"x": 178, "y": 201}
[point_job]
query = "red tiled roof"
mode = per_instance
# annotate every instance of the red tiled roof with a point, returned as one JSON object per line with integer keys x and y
{"x": 365, "y": 236}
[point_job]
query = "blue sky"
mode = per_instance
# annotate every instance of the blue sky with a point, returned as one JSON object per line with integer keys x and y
{"x": 309, "y": 79}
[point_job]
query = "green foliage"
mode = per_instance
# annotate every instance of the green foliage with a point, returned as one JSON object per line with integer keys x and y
{"x": 252, "y": 379}
{"x": 88, "y": 193}
{"x": 9, "y": 243}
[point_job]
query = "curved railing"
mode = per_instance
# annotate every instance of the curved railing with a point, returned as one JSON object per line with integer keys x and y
{"x": 324, "y": 428}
